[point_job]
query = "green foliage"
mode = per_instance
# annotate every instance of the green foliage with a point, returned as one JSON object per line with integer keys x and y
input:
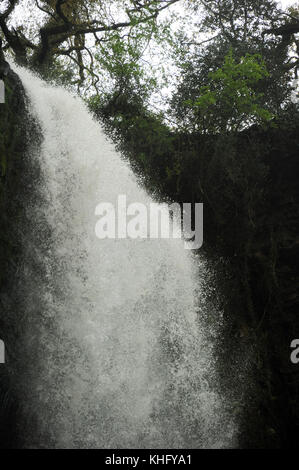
{"x": 293, "y": 10}
{"x": 230, "y": 102}
{"x": 219, "y": 28}
{"x": 119, "y": 61}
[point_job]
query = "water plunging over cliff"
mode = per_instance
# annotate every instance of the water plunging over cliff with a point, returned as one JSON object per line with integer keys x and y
{"x": 117, "y": 350}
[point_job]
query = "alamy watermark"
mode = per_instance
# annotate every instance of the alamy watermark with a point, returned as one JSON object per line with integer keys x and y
{"x": 2, "y": 92}
{"x": 295, "y": 353}
{"x": 153, "y": 220}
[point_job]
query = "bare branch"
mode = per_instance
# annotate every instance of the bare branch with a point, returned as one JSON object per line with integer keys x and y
{"x": 195, "y": 43}
{"x": 44, "y": 10}
{"x": 285, "y": 30}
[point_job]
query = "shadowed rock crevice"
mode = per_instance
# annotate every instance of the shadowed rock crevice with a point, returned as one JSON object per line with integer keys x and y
{"x": 17, "y": 190}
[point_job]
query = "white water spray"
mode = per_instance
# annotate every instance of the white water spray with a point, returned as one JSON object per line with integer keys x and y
{"x": 117, "y": 354}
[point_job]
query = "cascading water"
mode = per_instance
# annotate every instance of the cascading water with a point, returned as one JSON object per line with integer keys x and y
{"x": 116, "y": 351}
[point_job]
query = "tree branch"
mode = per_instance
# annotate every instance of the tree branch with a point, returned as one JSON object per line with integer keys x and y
{"x": 9, "y": 10}
{"x": 44, "y": 10}
{"x": 63, "y": 25}
{"x": 59, "y": 11}
{"x": 285, "y": 30}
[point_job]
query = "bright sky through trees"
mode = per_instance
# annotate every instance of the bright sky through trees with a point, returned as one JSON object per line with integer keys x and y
{"x": 156, "y": 61}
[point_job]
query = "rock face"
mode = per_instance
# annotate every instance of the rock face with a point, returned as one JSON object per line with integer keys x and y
{"x": 252, "y": 218}
{"x": 11, "y": 154}
{"x": 16, "y": 189}
{"x": 249, "y": 184}
{"x": 273, "y": 262}
{"x": 11, "y": 149}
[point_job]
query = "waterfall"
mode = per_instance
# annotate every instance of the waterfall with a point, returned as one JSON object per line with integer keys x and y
{"x": 118, "y": 350}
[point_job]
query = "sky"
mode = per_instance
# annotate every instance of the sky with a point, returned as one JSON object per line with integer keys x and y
{"x": 287, "y": 3}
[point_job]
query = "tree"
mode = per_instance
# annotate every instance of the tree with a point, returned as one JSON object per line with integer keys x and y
{"x": 229, "y": 102}
{"x": 245, "y": 27}
{"x": 71, "y": 28}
